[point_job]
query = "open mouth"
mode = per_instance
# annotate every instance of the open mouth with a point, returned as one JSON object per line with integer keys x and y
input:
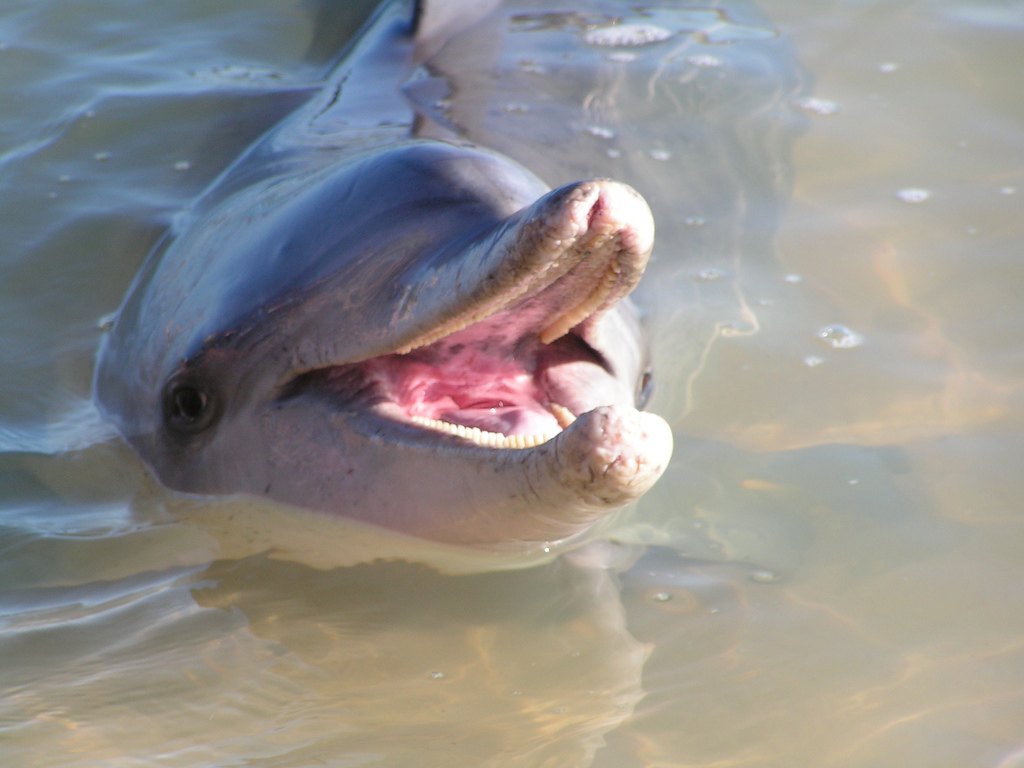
{"x": 479, "y": 386}
{"x": 520, "y": 360}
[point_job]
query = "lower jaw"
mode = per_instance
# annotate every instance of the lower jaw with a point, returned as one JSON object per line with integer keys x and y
{"x": 394, "y": 473}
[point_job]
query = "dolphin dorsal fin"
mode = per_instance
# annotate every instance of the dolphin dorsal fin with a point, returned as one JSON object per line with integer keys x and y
{"x": 436, "y": 21}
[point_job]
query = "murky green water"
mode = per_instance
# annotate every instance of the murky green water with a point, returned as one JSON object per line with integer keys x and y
{"x": 833, "y": 567}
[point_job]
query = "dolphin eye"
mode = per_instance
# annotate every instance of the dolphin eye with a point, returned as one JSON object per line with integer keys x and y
{"x": 189, "y": 404}
{"x": 187, "y": 408}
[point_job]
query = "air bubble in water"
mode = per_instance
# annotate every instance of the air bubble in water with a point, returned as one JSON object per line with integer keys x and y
{"x": 705, "y": 61}
{"x": 813, "y": 361}
{"x": 913, "y": 195}
{"x": 840, "y": 337}
{"x": 710, "y": 273}
{"x": 627, "y": 35}
{"x": 817, "y": 106}
{"x": 600, "y": 131}
{"x": 660, "y": 154}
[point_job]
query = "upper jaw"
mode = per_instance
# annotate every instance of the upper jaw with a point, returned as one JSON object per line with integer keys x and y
{"x": 570, "y": 256}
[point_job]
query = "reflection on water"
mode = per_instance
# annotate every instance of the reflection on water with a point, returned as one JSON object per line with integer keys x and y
{"x": 382, "y": 660}
{"x": 830, "y": 572}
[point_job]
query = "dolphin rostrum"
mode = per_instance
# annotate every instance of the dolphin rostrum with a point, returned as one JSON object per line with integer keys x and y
{"x": 413, "y": 333}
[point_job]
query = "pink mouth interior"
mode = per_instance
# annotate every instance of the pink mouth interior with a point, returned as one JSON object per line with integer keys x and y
{"x": 473, "y": 379}
{"x": 492, "y": 376}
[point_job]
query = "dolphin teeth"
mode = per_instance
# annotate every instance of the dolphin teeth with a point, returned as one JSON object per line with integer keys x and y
{"x": 586, "y": 308}
{"x": 480, "y": 436}
{"x": 562, "y": 415}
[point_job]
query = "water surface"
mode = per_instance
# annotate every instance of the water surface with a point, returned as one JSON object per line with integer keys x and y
{"x": 829, "y": 574}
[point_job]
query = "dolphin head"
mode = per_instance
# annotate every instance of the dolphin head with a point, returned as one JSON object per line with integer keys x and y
{"x": 423, "y": 337}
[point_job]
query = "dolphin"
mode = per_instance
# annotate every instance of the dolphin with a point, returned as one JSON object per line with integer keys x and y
{"x": 412, "y": 332}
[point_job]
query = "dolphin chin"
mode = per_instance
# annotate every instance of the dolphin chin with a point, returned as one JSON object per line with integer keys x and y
{"x": 419, "y": 335}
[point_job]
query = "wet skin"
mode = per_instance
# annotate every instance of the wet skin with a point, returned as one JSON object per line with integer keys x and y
{"x": 413, "y": 333}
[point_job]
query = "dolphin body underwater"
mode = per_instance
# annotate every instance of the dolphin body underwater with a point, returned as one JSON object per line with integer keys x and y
{"x": 411, "y": 332}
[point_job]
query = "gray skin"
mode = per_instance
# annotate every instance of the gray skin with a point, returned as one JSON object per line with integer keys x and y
{"x": 265, "y": 347}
